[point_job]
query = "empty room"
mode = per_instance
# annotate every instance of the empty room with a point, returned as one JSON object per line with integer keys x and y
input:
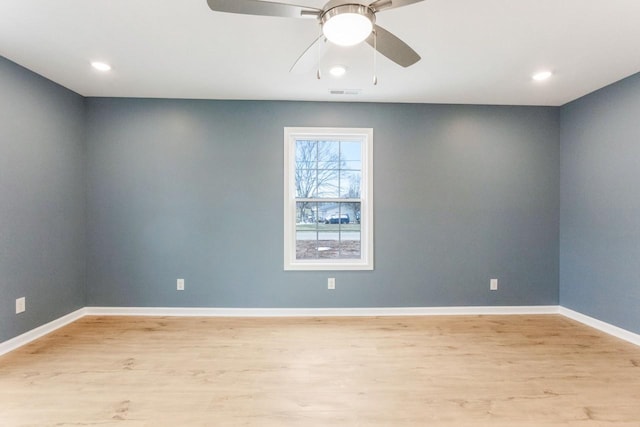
{"x": 343, "y": 213}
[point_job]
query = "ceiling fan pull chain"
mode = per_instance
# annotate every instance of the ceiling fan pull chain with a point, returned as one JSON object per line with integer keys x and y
{"x": 318, "y": 74}
{"x": 375, "y": 57}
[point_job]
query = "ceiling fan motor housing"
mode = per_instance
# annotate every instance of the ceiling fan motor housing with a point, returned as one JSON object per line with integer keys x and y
{"x": 343, "y": 22}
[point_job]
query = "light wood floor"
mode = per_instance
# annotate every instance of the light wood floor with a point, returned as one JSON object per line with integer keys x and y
{"x": 394, "y": 371}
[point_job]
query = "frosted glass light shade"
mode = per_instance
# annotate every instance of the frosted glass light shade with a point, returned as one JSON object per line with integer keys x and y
{"x": 347, "y": 29}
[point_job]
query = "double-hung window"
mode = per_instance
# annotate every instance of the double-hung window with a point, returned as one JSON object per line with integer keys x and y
{"x": 328, "y": 205}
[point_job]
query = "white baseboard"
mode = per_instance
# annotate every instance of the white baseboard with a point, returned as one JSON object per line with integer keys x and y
{"x": 34, "y": 334}
{"x": 318, "y": 312}
{"x": 601, "y": 326}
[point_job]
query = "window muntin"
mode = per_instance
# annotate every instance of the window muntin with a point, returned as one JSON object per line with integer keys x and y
{"x": 328, "y": 203}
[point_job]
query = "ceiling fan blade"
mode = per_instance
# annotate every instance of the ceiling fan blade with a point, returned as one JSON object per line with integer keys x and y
{"x": 379, "y": 5}
{"x": 392, "y": 47}
{"x": 309, "y": 60}
{"x": 263, "y": 8}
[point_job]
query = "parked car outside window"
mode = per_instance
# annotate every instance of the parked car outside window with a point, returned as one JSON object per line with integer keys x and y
{"x": 335, "y": 219}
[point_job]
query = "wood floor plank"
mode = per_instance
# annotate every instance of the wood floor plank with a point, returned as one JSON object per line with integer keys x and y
{"x": 360, "y": 371}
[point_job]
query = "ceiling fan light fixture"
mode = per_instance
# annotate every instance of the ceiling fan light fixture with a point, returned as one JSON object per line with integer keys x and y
{"x": 348, "y": 25}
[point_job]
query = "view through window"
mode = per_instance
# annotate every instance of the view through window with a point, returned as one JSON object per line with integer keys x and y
{"x": 328, "y": 198}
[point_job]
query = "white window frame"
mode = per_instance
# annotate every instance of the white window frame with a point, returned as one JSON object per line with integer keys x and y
{"x": 365, "y": 135}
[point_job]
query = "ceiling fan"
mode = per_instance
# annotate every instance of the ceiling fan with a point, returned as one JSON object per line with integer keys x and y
{"x": 343, "y": 22}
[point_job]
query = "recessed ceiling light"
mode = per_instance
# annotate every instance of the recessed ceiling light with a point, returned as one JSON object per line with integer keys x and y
{"x": 542, "y": 75}
{"x": 338, "y": 70}
{"x": 101, "y": 66}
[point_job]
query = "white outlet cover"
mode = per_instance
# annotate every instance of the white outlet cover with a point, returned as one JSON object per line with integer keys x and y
{"x": 180, "y": 284}
{"x": 21, "y": 305}
{"x": 331, "y": 283}
{"x": 493, "y": 285}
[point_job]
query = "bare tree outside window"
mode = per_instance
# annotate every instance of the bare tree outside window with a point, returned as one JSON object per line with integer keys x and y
{"x": 317, "y": 173}
{"x": 327, "y": 177}
{"x": 354, "y": 193}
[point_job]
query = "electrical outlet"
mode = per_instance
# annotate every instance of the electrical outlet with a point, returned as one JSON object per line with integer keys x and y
{"x": 493, "y": 285}
{"x": 331, "y": 283}
{"x": 21, "y": 305}
{"x": 181, "y": 284}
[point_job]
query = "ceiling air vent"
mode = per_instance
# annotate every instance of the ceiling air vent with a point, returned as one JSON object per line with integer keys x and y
{"x": 345, "y": 91}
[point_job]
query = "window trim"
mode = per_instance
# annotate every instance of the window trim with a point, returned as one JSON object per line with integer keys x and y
{"x": 291, "y": 134}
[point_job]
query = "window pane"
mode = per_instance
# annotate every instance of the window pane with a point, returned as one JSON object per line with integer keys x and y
{"x": 328, "y": 151}
{"x": 324, "y": 211}
{"x": 306, "y": 215}
{"x": 306, "y": 183}
{"x": 350, "y": 150}
{"x": 350, "y": 245}
{"x": 352, "y": 210}
{"x": 305, "y": 172}
{"x": 306, "y": 230}
{"x": 328, "y": 245}
{"x": 306, "y": 249}
{"x": 334, "y": 216}
{"x": 350, "y": 184}
{"x": 306, "y": 151}
{"x": 328, "y": 184}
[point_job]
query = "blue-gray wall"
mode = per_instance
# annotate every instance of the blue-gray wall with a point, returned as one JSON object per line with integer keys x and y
{"x": 42, "y": 200}
{"x": 600, "y": 209}
{"x": 194, "y": 190}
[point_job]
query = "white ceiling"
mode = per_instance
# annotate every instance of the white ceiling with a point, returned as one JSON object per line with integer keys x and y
{"x": 473, "y": 51}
